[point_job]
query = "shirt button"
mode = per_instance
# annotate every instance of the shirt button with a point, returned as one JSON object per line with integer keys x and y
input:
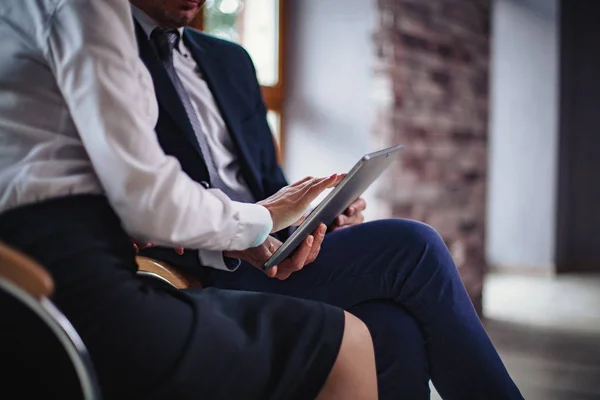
{"x": 205, "y": 184}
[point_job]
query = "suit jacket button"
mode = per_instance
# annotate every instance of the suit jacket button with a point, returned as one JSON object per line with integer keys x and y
{"x": 205, "y": 184}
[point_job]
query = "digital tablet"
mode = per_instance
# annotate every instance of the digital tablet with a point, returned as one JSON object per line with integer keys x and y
{"x": 360, "y": 177}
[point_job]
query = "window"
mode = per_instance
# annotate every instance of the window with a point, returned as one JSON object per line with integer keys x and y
{"x": 256, "y": 25}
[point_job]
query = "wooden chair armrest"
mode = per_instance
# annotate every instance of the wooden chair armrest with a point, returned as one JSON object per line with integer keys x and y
{"x": 167, "y": 273}
{"x": 25, "y": 273}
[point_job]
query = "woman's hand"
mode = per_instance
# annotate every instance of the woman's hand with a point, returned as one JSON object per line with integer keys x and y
{"x": 288, "y": 205}
{"x": 137, "y": 245}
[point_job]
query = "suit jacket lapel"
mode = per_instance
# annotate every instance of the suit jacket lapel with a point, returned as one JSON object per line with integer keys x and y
{"x": 166, "y": 94}
{"x": 221, "y": 89}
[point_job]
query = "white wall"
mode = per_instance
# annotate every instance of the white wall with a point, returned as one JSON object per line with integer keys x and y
{"x": 329, "y": 106}
{"x": 523, "y": 134}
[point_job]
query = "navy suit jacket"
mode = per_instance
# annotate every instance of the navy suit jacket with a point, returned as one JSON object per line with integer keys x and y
{"x": 231, "y": 77}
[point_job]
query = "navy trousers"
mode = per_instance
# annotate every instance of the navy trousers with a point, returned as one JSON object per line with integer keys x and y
{"x": 399, "y": 278}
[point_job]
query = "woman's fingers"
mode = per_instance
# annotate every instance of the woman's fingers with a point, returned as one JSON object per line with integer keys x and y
{"x": 289, "y": 204}
{"x": 310, "y": 182}
{"x": 301, "y": 181}
{"x": 313, "y": 191}
{"x": 338, "y": 178}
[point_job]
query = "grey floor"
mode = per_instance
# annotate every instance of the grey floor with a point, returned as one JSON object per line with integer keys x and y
{"x": 547, "y": 331}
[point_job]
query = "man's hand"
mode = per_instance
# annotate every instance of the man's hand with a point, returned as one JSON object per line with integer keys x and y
{"x": 305, "y": 254}
{"x": 137, "y": 245}
{"x": 351, "y": 216}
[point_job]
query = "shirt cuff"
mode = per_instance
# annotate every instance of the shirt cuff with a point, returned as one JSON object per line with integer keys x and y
{"x": 217, "y": 260}
{"x": 257, "y": 222}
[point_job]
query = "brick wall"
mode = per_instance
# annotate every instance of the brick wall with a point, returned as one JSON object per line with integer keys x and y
{"x": 432, "y": 92}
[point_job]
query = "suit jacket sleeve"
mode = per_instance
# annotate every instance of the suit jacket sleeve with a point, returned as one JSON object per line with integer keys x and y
{"x": 273, "y": 178}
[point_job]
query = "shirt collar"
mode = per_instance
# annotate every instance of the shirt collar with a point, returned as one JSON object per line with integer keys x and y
{"x": 148, "y": 24}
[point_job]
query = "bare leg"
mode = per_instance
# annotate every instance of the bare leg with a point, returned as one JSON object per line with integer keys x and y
{"x": 353, "y": 375}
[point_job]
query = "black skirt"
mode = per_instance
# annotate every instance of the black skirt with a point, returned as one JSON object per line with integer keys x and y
{"x": 162, "y": 343}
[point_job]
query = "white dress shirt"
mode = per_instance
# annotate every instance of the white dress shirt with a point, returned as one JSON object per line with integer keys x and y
{"x": 213, "y": 126}
{"x": 77, "y": 116}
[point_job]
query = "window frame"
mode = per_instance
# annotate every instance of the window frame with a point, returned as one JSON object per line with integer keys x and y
{"x": 273, "y": 95}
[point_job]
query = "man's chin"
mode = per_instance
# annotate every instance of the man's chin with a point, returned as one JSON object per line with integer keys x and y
{"x": 181, "y": 19}
{"x": 189, "y": 15}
